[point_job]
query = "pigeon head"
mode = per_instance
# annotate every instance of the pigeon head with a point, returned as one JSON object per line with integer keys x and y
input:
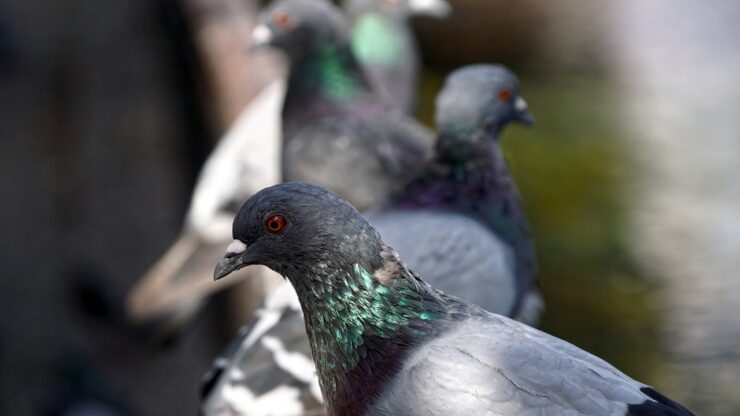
{"x": 297, "y": 229}
{"x": 299, "y": 26}
{"x": 398, "y": 8}
{"x": 476, "y": 102}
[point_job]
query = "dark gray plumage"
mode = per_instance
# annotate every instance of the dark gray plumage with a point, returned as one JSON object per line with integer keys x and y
{"x": 384, "y": 342}
{"x": 337, "y": 132}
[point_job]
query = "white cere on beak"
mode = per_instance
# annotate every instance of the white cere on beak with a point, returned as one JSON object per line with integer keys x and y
{"x": 261, "y": 35}
{"x": 235, "y": 248}
{"x": 520, "y": 104}
{"x": 436, "y": 8}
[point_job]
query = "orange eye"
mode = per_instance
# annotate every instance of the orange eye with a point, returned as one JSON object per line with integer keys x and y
{"x": 504, "y": 95}
{"x": 275, "y": 223}
{"x": 283, "y": 19}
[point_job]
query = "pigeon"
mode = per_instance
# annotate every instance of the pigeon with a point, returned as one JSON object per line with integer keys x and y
{"x": 337, "y": 131}
{"x": 384, "y": 342}
{"x": 461, "y": 223}
{"x": 447, "y": 224}
{"x": 383, "y": 42}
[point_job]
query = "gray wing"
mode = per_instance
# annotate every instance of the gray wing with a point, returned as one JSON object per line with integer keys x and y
{"x": 497, "y": 366}
{"x": 268, "y": 369}
{"x": 453, "y": 253}
{"x": 362, "y": 159}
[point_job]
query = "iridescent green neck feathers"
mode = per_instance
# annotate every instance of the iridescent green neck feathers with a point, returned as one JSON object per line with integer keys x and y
{"x": 331, "y": 71}
{"x": 360, "y": 315}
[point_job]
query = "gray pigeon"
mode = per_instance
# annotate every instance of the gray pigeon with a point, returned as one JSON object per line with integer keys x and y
{"x": 386, "y": 343}
{"x": 337, "y": 132}
{"x": 460, "y": 225}
{"x": 383, "y": 42}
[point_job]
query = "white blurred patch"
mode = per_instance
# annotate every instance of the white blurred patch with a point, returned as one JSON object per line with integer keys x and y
{"x": 283, "y": 296}
{"x": 261, "y": 35}
{"x": 520, "y": 104}
{"x": 297, "y": 364}
{"x": 436, "y": 8}
{"x": 315, "y": 389}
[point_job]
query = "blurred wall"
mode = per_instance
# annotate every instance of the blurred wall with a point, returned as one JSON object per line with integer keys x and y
{"x": 679, "y": 64}
{"x": 99, "y": 147}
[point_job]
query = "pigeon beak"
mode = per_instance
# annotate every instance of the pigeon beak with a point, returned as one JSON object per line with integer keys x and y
{"x": 261, "y": 37}
{"x": 521, "y": 112}
{"x": 435, "y": 8}
{"x": 233, "y": 260}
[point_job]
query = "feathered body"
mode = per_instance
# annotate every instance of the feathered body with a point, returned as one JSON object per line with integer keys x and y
{"x": 469, "y": 178}
{"x": 267, "y": 369}
{"x": 481, "y": 188}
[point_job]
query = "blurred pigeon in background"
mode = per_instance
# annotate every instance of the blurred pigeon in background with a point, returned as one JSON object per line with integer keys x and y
{"x": 337, "y": 132}
{"x": 460, "y": 223}
{"x": 386, "y": 343}
{"x": 246, "y": 159}
{"x": 383, "y": 42}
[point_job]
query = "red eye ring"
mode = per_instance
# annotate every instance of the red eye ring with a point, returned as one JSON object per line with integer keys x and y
{"x": 505, "y": 95}
{"x": 283, "y": 19}
{"x": 275, "y": 223}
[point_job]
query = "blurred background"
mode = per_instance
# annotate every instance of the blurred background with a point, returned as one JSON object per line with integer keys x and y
{"x": 630, "y": 177}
